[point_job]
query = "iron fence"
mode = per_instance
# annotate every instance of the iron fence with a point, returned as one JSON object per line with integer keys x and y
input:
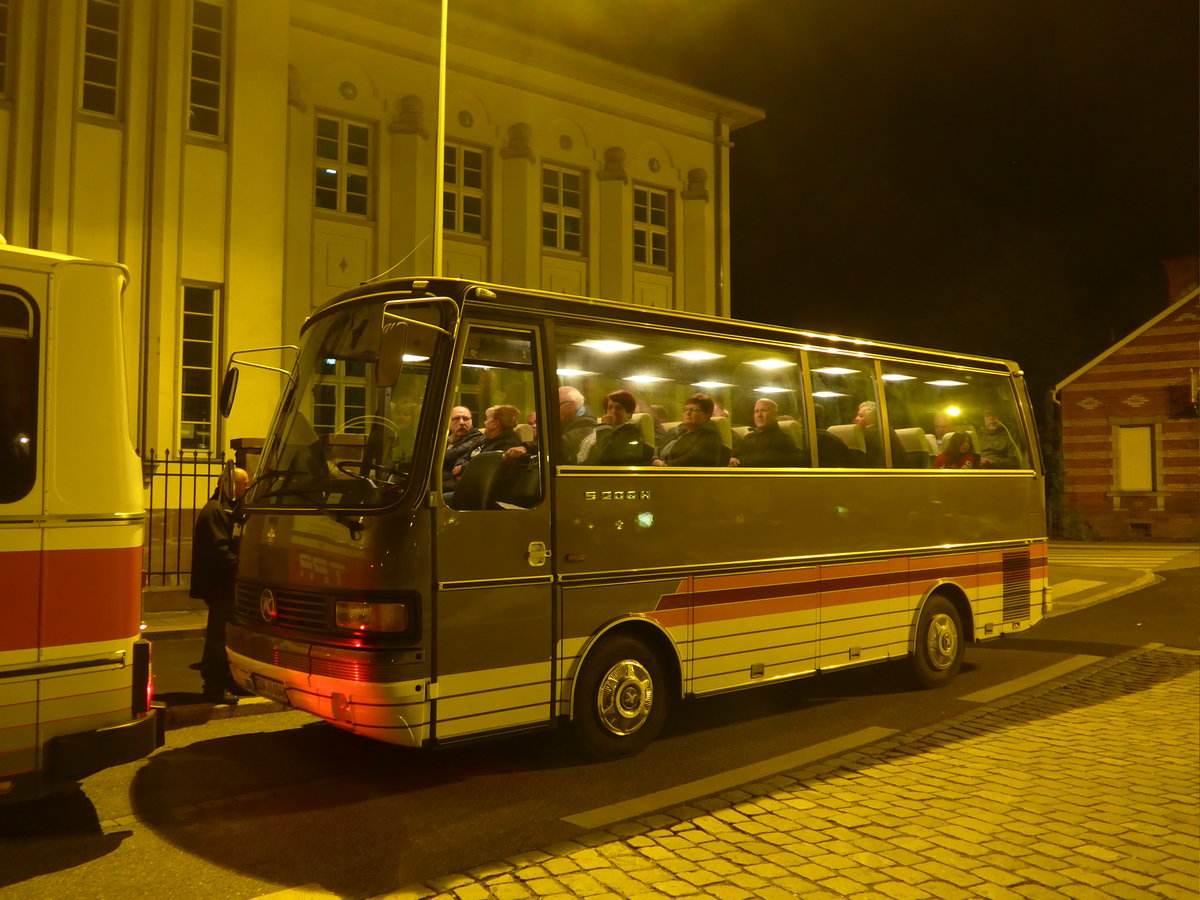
{"x": 177, "y": 485}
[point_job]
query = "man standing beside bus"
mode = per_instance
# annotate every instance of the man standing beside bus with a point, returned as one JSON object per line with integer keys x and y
{"x": 214, "y": 567}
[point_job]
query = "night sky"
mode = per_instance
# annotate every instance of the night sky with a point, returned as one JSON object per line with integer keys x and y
{"x": 1002, "y": 177}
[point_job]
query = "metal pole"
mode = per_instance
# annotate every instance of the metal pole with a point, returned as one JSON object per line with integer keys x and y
{"x": 439, "y": 161}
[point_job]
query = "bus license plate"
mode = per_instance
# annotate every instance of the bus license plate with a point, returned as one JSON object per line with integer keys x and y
{"x": 271, "y": 689}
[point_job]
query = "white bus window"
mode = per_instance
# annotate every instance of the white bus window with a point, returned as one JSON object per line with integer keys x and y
{"x": 18, "y": 397}
{"x": 668, "y": 377}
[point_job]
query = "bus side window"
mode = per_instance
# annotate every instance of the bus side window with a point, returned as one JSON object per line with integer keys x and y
{"x": 18, "y": 396}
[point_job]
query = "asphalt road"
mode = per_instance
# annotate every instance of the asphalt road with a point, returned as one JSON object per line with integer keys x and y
{"x": 242, "y": 807}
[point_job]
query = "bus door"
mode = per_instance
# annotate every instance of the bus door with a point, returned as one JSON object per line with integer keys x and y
{"x": 494, "y": 598}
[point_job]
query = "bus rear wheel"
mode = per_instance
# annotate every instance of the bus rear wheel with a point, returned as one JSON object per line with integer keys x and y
{"x": 620, "y": 699}
{"x": 939, "y": 650}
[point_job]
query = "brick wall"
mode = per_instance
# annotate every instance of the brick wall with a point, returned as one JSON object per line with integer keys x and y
{"x": 1145, "y": 382}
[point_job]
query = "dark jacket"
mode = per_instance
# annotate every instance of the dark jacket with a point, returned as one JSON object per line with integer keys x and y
{"x": 502, "y": 441}
{"x": 768, "y": 446}
{"x": 574, "y": 430}
{"x": 620, "y": 446}
{"x": 214, "y": 552}
{"x": 457, "y": 451}
{"x": 702, "y": 447}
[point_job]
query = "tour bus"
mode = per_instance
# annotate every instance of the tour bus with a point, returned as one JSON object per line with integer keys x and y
{"x": 537, "y": 587}
{"x": 74, "y": 671}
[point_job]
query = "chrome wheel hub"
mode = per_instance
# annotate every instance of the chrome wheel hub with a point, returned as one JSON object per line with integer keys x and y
{"x": 625, "y": 697}
{"x": 942, "y": 641}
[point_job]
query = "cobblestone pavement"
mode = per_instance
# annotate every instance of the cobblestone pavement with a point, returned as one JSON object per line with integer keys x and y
{"x": 1085, "y": 787}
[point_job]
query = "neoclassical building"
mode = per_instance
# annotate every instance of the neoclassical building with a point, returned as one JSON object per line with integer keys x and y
{"x": 248, "y": 159}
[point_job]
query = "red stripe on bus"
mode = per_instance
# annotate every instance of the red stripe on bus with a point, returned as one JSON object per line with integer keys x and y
{"x": 774, "y": 585}
{"x": 19, "y": 576}
{"x": 90, "y": 595}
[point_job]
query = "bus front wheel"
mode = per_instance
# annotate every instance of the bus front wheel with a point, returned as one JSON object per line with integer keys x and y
{"x": 620, "y": 699}
{"x": 939, "y": 650}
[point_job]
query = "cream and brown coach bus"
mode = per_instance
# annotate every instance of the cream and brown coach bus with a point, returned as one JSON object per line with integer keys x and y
{"x": 780, "y": 503}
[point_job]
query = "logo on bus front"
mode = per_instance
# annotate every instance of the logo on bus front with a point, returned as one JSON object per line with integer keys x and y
{"x": 266, "y": 606}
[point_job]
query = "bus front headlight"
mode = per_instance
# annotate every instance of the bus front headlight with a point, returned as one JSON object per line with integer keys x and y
{"x": 359, "y": 615}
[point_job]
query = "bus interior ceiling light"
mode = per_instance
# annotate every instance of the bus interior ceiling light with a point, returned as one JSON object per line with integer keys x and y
{"x": 608, "y": 346}
{"x": 695, "y": 355}
{"x": 771, "y": 363}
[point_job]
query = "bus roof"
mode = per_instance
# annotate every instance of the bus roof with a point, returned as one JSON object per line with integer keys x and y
{"x": 524, "y": 299}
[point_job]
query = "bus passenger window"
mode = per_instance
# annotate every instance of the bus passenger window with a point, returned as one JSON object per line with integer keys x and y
{"x": 494, "y": 461}
{"x": 941, "y": 401}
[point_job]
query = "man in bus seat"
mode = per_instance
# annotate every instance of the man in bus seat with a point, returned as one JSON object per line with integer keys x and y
{"x": 996, "y": 445}
{"x": 464, "y": 437}
{"x": 214, "y": 567}
{"x": 575, "y": 423}
{"x": 696, "y": 442}
{"x": 499, "y": 433}
{"x": 943, "y": 426}
{"x": 766, "y": 444}
{"x": 868, "y": 418}
{"x": 618, "y": 442}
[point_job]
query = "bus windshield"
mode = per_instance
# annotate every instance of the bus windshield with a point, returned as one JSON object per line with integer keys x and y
{"x": 347, "y": 427}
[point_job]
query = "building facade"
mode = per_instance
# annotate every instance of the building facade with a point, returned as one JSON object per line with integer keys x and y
{"x": 248, "y": 159}
{"x": 1131, "y": 435}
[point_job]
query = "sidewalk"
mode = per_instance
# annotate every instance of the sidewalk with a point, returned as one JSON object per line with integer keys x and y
{"x": 1084, "y": 787}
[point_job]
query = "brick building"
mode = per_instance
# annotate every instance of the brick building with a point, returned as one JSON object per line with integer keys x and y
{"x": 1131, "y": 436}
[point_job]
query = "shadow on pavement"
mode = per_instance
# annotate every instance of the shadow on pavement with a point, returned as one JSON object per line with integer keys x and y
{"x": 65, "y": 828}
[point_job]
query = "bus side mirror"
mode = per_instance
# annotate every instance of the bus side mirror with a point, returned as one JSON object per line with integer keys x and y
{"x": 228, "y": 391}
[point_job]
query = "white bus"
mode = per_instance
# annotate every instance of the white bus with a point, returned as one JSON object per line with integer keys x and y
{"x": 559, "y": 583}
{"x": 74, "y": 672}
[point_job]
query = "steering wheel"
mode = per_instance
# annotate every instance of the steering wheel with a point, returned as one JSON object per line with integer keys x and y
{"x": 343, "y": 465}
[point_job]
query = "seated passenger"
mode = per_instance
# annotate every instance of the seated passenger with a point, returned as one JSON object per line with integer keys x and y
{"x": 996, "y": 446}
{"x": 943, "y": 426}
{"x": 868, "y": 418}
{"x": 620, "y": 445}
{"x": 464, "y": 437}
{"x": 696, "y": 442}
{"x": 766, "y": 444}
{"x": 575, "y": 424}
{"x": 958, "y": 454}
{"x": 499, "y": 433}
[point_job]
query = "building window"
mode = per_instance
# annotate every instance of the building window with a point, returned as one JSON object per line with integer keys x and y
{"x": 19, "y": 376}
{"x": 562, "y": 209}
{"x": 197, "y": 356}
{"x": 101, "y": 57}
{"x": 4, "y": 30}
{"x": 340, "y": 399}
{"x": 651, "y": 227}
{"x": 1135, "y": 458}
{"x": 343, "y": 169}
{"x": 463, "y": 193}
{"x": 206, "y": 86}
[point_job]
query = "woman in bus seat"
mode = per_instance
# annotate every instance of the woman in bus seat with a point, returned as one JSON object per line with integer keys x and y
{"x": 499, "y": 433}
{"x": 698, "y": 442}
{"x": 621, "y": 443}
{"x": 958, "y": 454}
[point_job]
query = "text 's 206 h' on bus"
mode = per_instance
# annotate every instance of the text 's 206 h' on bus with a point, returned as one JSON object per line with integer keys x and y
{"x": 74, "y": 671}
{"x": 902, "y": 515}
